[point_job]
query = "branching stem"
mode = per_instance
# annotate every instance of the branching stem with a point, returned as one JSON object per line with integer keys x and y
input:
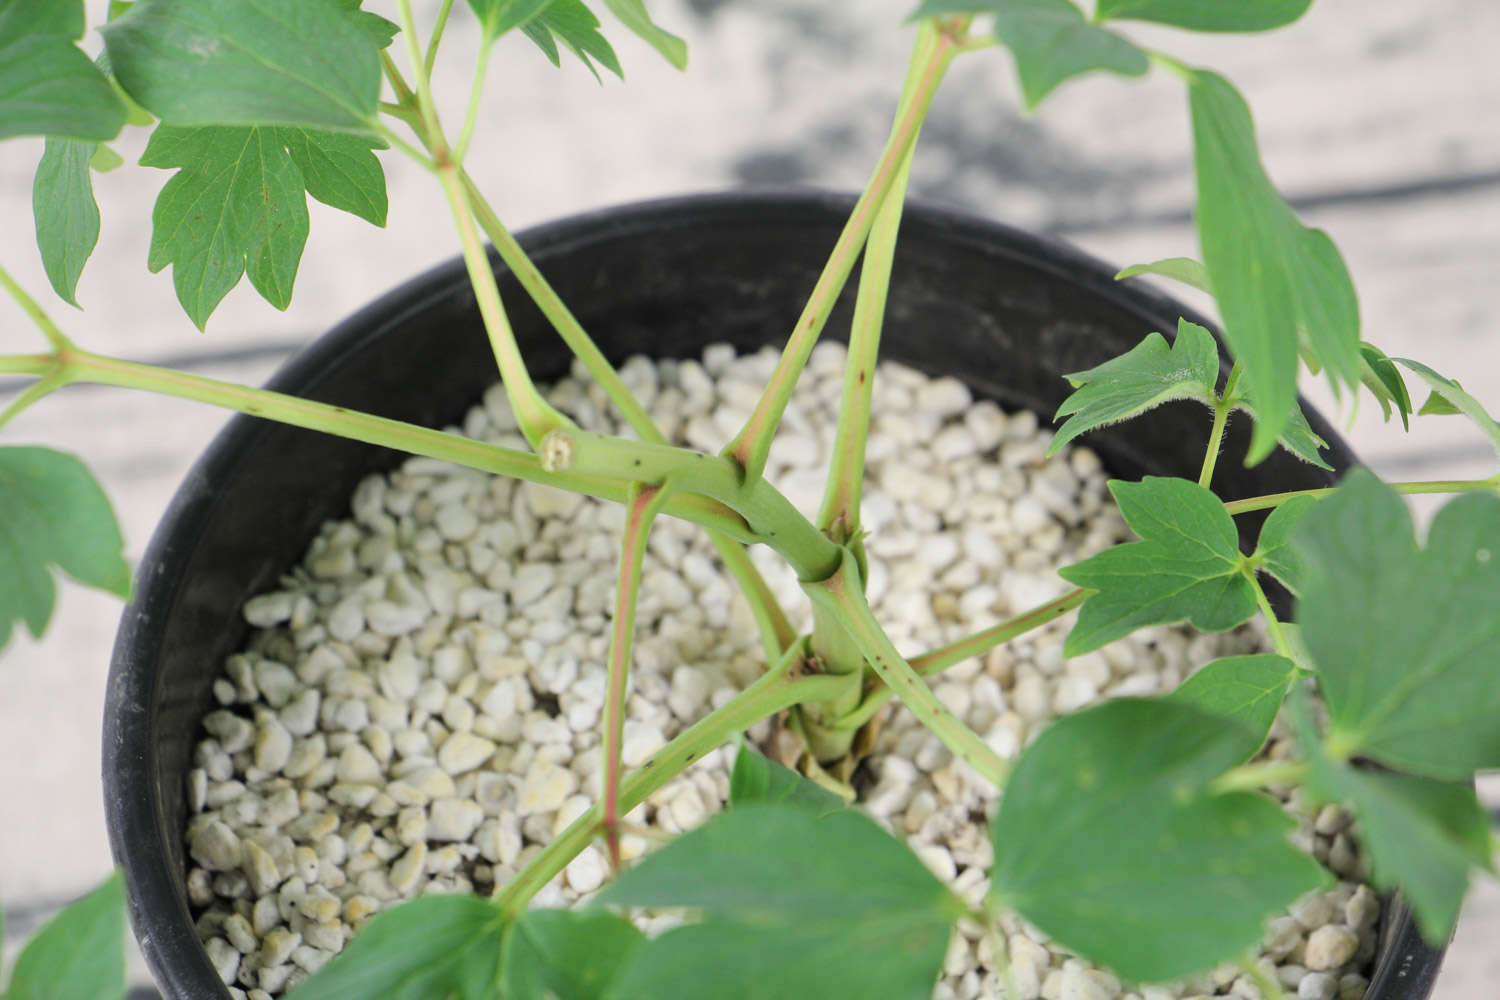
{"x": 933, "y": 54}
{"x": 38, "y": 315}
{"x": 1259, "y": 774}
{"x": 1273, "y": 500}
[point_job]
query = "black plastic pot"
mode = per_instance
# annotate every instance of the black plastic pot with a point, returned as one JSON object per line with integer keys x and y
{"x": 1005, "y": 312}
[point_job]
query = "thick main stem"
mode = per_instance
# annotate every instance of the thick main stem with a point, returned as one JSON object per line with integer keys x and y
{"x": 933, "y": 54}
{"x": 842, "y": 594}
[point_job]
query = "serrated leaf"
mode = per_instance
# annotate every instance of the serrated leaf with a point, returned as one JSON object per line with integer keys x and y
{"x": 1241, "y": 15}
{"x": 80, "y": 954}
{"x": 379, "y": 30}
{"x": 1248, "y": 690}
{"x": 1051, "y": 40}
{"x": 1110, "y": 840}
{"x": 47, "y": 85}
{"x": 339, "y": 170}
{"x": 633, "y": 14}
{"x": 1422, "y": 836}
{"x": 67, "y": 217}
{"x": 1405, "y": 640}
{"x": 1186, "y": 567}
{"x": 1278, "y": 283}
{"x": 576, "y": 27}
{"x": 1274, "y": 551}
{"x": 496, "y": 17}
{"x": 1450, "y": 391}
{"x": 1149, "y": 374}
{"x": 847, "y": 909}
{"x": 757, "y": 779}
{"x": 52, "y": 513}
{"x": 238, "y": 205}
{"x": 432, "y": 946}
{"x": 313, "y": 63}
{"x": 1184, "y": 269}
{"x": 564, "y": 954}
{"x": 1385, "y": 383}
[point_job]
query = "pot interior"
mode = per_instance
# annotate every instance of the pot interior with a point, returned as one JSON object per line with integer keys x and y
{"x": 1004, "y": 312}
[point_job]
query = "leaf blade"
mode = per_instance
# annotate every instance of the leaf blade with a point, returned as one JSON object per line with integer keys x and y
{"x": 430, "y": 946}
{"x": 1100, "y": 830}
{"x": 757, "y": 779}
{"x": 1184, "y": 269}
{"x": 633, "y": 14}
{"x": 311, "y": 63}
{"x": 1186, "y": 567}
{"x": 80, "y": 953}
{"x": 47, "y": 85}
{"x": 339, "y": 170}
{"x": 1244, "y": 15}
{"x": 1149, "y": 374}
{"x": 567, "y": 954}
{"x": 66, "y": 214}
{"x": 1279, "y": 284}
{"x": 1247, "y": 690}
{"x": 1407, "y": 682}
{"x": 1455, "y": 396}
{"x": 52, "y": 514}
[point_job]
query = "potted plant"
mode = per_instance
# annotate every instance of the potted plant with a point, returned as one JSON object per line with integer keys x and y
{"x": 261, "y": 103}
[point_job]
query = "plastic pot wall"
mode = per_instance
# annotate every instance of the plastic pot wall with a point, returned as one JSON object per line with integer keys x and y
{"x": 1005, "y": 312}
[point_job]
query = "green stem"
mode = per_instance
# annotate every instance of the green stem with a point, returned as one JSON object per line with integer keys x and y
{"x": 1269, "y": 988}
{"x": 842, "y": 594}
{"x": 940, "y": 659}
{"x": 425, "y": 102}
{"x": 45, "y": 386}
{"x": 534, "y": 414}
{"x": 933, "y": 54}
{"x": 430, "y": 60}
{"x": 839, "y": 515}
{"x": 776, "y": 632}
{"x": 1272, "y": 500}
{"x": 839, "y": 655}
{"x": 476, "y": 96}
{"x": 1222, "y": 408}
{"x": 1259, "y": 774}
{"x": 770, "y": 515}
{"x": 644, "y": 504}
{"x": 405, "y": 96}
{"x": 38, "y": 316}
{"x": 402, "y": 146}
{"x": 76, "y": 365}
{"x": 776, "y": 690}
{"x": 1273, "y": 624}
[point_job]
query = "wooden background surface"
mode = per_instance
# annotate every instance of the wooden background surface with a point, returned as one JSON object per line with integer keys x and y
{"x": 1379, "y": 118}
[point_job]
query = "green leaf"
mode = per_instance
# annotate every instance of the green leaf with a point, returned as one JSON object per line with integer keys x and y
{"x": 1110, "y": 839}
{"x": 1186, "y": 567}
{"x": 47, "y": 85}
{"x": 1405, "y": 640}
{"x": 564, "y": 954}
{"x": 846, "y": 910}
{"x": 52, "y": 513}
{"x": 1384, "y": 381}
{"x": 1297, "y": 437}
{"x": 80, "y": 954}
{"x": 432, "y": 946}
{"x": 757, "y": 779}
{"x": 1422, "y": 835}
{"x": 633, "y": 14}
{"x": 1149, "y": 374}
{"x": 238, "y": 205}
{"x": 577, "y": 27}
{"x": 314, "y": 63}
{"x": 1453, "y": 394}
{"x": 1275, "y": 280}
{"x": 1183, "y": 269}
{"x": 1051, "y": 41}
{"x": 1248, "y": 690}
{"x": 1274, "y": 551}
{"x": 496, "y": 17}
{"x": 67, "y": 217}
{"x": 339, "y": 170}
{"x": 102, "y": 160}
{"x": 1195, "y": 15}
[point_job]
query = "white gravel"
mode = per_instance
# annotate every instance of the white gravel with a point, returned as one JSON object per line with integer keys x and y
{"x": 418, "y": 709}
